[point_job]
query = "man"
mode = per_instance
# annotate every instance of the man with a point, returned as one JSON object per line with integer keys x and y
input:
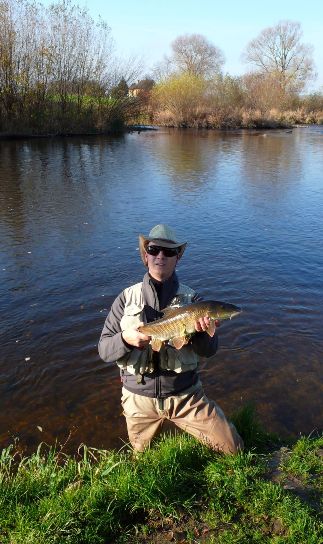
{"x": 165, "y": 384}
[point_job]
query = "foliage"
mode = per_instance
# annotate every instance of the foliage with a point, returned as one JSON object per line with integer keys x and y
{"x": 312, "y": 103}
{"x": 224, "y": 100}
{"x": 264, "y": 92}
{"x": 252, "y": 101}
{"x": 120, "y": 90}
{"x": 59, "y": 75}
{"x": 181, "y": 97}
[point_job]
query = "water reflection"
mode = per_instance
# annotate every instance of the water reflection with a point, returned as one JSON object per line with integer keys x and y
{"x": 187, "y": 159}
{"x": 271, "y": 157}
{"x": 70, "y": 214}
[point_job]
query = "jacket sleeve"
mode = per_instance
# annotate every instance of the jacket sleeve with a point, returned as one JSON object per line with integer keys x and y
{"x": 111, "y": 344}
{"x": 203, "y": 344}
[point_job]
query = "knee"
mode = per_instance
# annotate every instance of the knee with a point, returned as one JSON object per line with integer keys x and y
{"x": 235, "y": 445}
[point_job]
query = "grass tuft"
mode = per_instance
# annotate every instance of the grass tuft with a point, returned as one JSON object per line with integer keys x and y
{"x": 176, "y": 490}
{"x": 255, "y": 437}
{"x": 305, "y": 460}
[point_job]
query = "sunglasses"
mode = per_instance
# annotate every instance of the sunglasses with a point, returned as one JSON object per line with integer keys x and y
{"x": 168, "y": 251}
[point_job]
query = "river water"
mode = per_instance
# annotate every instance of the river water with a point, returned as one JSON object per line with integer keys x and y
{"x": 250, "y": 205}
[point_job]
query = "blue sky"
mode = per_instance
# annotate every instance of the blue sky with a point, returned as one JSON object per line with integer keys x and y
{"x": 147, "y": 27}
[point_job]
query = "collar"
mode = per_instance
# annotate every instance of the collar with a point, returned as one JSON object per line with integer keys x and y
{"x": 159, "y": 294}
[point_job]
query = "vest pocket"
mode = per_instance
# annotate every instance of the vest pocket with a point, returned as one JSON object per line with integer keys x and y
{"x": 179, "y": 360}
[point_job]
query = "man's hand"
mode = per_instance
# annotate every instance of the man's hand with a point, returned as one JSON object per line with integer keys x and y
{"x": 135, "y": 338}
{"x": 203, "y": 323}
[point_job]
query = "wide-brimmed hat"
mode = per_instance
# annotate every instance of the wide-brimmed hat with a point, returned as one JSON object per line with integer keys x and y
{"x": 161, "y": 235}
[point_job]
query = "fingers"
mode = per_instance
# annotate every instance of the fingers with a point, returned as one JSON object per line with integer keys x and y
{"x": 135, "y": 338}
{"x": 203, "y": 323}
{"x": 142, "y": 340}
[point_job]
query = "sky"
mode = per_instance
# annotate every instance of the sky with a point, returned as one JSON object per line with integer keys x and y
{"x": 146, "y": 28}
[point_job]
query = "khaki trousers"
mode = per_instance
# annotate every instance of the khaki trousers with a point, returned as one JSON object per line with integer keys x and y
{"x": 192, "y": 412}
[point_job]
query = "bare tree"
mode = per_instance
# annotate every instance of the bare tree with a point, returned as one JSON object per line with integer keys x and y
{"x": 278, "y": 51}
{"x": 192, "y": 54}
{"x": 130, "y": 69}
{"x": 23, "y": 57}
{"x": 81, "y": 49}
{"x": 163, "y": 69}
{"x": 57, "y": 64}
{"x": 7, "y": 55}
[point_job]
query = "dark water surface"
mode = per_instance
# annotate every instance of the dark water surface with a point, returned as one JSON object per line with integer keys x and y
{"x": 251, "y": 207}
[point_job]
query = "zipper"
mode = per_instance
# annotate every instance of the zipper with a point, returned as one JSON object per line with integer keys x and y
{"x": 157, "y": 310}
{"x": 157, "y": 385}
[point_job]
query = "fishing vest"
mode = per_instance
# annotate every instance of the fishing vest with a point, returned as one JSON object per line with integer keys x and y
{"x": 141, "y": 361}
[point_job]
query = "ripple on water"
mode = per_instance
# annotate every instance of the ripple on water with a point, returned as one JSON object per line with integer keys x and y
{"x": 71, "y": 211}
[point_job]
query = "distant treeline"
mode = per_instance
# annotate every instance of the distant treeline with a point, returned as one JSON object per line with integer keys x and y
{"x": 59, "y": 75}
{"x": 231, "y": 102}
{"x": 193, "y": 91}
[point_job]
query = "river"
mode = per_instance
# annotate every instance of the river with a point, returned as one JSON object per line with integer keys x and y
{"x": 250, "y": 205}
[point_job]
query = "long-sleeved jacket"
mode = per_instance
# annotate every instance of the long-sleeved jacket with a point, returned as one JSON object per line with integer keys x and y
{"x": 159, "y": 382}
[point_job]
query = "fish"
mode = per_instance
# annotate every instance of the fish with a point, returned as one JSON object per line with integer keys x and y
{"x": 178, "y": 324}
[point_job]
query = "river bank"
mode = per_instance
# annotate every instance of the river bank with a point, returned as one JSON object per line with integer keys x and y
{"x": 119, "y": 131}
{"x": 177, "y": 491}
{"x": 138, "y": 129}
{"x": 261, "y": 126}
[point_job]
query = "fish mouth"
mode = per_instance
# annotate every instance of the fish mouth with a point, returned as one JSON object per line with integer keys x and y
{"x": 237, "y": 311}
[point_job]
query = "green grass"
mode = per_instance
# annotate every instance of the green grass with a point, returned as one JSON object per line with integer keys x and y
{"x": 178, "y": 487}
{"x": 305, "y": 461}
{"x": 255, "y": 437}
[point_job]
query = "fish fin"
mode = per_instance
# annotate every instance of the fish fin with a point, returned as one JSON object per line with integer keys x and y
{"x": 211, "y": 328}
{"x": 156, "y": 344}
{"x": 179, "y": 341}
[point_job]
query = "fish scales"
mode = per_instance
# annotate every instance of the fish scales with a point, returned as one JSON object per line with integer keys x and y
{"x": 180, "y": 322}
{"x": 170, "y": 326}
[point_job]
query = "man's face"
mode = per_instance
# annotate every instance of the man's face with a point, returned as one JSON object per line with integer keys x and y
{"x": 160, "y": 266}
